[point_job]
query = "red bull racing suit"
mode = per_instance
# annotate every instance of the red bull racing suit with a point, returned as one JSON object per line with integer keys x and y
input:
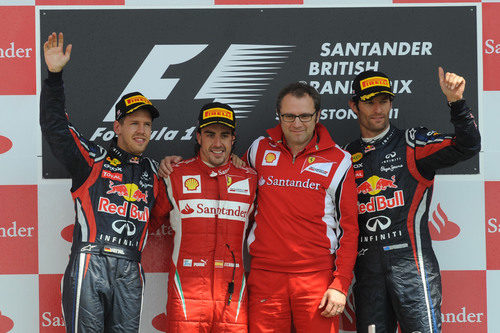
{"x": 113, "y": 193}
{"x": 209, "y": 213}
{"x": 397, "y": 274}
{"x": 304, "y": 239}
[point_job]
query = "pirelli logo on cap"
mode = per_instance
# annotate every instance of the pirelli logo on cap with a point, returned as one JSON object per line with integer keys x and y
{"x": 374, "y": 81}
{"x": 137, "y": 99}
{"x": 217, "y": 112}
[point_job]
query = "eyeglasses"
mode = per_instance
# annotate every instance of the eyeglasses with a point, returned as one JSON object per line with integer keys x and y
{"x": 305, "y": 117}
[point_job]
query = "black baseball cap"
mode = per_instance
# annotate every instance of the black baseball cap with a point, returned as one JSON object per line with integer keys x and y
{"x": 369, "y": 84}
{"x": 132, "y": 102}
{"x": 216, "y": 113}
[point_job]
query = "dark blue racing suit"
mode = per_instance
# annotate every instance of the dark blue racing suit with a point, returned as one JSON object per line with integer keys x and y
{"x": 113, "y": 193}
{"x": 397, "y": 274}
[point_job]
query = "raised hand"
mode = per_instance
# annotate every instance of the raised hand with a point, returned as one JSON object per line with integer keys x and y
{"x": 452, "y": 85}
{"x": 53, "y": 52}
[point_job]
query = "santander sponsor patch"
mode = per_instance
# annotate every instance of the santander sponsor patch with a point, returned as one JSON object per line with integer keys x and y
{"x": 205, "y": 208}
{"x": 284, "y": 182}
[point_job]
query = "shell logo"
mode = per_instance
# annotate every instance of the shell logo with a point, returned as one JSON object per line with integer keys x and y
{"x": 356, "y": 157}
{"x": 191, "y": 184}
{"x": 270, "y": 157}
{"x": 311, "y": 159}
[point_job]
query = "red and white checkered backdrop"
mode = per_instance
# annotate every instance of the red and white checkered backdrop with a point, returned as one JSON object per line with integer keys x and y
{"x": 36, "y": 213}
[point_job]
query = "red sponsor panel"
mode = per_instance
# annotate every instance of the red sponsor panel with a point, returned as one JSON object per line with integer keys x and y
{"x": 157, "y": 254}
{"x": 51, "y": 318}
{"x": 17, "y": 50}
{"x": 492, "y": 216}
{"x": 440, "y": 228}
{"x": 79, "y": 2}
{"x": 464, "y": 301}
{"x": 18, "y": 229}
{"x": 259, "y": 2}
{"x": 491, "y": 46}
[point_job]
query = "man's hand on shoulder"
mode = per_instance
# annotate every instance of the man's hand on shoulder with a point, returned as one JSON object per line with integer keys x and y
{"x": 238, "y": 162}
{"x": 54, "y": 54}
{"x": 452, "y": 85}
{"x": 333, "y": 302}
{"x": 166, "y": 165}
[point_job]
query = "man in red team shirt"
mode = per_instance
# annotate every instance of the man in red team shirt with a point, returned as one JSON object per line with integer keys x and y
{"x": 304, "y": 240}
{"x": 209, "y": 201}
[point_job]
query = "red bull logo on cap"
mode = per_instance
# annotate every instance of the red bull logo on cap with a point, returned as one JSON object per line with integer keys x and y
{"x": 129, "y": 192}
{"x": 375, "y": 184}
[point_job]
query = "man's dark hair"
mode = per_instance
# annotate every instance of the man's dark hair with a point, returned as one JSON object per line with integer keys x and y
{"x": 299, "y": 89}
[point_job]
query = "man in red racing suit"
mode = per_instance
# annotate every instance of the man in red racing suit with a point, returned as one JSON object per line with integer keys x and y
{"x": 209, "y": 200}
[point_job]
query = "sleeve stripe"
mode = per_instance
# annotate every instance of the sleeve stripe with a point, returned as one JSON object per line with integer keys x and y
{"x": 252, "y": 151}
{"x": 85, "y": 152}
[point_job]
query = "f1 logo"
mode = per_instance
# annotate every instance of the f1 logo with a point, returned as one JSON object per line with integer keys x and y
{"x": 239, "y": 64}
{"x": 148, "y": 79}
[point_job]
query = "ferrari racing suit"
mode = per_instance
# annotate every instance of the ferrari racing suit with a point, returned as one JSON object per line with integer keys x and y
{"x": 113, "y": 193}
{"x": 209, "y": 212}
{"x": 304, "y": 239}
{"x": 397, "y": 274}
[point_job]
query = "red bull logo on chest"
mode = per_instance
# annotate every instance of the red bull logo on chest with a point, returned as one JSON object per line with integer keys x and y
{"x": 129, "y": 192}
{"x": 375, "y": 184}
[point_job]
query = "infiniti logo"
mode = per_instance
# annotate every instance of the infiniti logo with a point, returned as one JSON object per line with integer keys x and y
{"x": 382, "y": 221}
{"x": 120, "y": 225}
{"x": 390, "y": 155}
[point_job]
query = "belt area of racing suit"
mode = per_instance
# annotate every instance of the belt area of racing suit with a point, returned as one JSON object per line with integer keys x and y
{"x": 109, "y": 250}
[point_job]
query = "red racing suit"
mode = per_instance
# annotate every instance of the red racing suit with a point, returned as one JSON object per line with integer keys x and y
{"x": 209, "y": 211}
{"x": 306, "y": 216}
